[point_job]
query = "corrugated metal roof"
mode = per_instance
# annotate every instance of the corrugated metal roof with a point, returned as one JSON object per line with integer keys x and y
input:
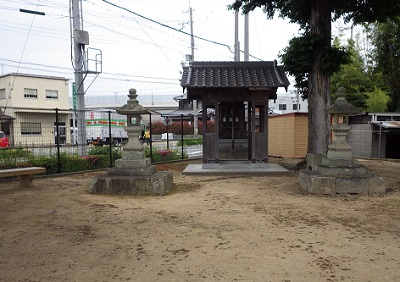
{"x": 234, "y": 75}
{"x": 387, "y": 124}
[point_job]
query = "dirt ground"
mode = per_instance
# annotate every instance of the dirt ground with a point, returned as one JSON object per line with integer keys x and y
{"x": 210, "y": 228}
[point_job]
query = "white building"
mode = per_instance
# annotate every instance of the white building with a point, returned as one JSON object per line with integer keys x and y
{"x": 289, "y": 102}
{"x": 28, "y": 104}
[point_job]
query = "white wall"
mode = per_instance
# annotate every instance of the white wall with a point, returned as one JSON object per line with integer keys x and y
{"x": 290, "y": 99}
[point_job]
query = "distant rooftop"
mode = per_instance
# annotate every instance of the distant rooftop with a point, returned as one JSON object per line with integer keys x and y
{"x": 114, "y": 101}
{"x": 34, "y": 76}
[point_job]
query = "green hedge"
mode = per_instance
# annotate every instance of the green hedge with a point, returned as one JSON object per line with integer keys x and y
{"x": 98, "y": 157}
{"x": 189, "y": 142}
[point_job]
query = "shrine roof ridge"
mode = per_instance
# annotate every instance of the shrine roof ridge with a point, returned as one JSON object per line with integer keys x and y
{"x": 234, "y": 75}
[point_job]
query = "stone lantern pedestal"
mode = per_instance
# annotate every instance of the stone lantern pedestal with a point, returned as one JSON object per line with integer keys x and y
{"x": 133, "y": 173}
{"x": 337, "y": 172}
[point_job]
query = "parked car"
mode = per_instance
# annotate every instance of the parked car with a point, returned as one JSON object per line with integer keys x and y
{"x": 3, "y": 140}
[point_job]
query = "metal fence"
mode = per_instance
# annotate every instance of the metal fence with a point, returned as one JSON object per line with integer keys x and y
{"x": 67, "y": 140}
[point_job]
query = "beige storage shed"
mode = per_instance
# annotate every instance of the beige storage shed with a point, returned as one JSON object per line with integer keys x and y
{"x": 288, "y": 135}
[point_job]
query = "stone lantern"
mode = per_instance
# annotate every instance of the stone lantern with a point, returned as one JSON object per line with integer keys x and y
{"x": 337, "y": 172}
{"x": 133, "y": 173}
{"x": 340, "y": 149}
{"x": 133, "y": 156}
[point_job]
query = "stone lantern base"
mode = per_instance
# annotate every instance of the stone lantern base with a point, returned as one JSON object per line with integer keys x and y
{"x": 325, "y": 176}
{"x": 159, "y": 183}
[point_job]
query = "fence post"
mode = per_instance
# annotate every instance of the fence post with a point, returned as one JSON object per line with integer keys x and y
{"x": 167, "y": 132}
{"x": 58, "y": 142}
{"x": 151, "y": 139}
{"x": 110, "y": 140}
{"x": 182, "y": 135}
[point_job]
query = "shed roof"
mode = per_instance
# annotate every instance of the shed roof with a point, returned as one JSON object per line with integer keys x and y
{"x": 387, "y": 124}
{"x": 234, "y": 75}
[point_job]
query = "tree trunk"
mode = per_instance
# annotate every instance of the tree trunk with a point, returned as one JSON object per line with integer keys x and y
{"x": 318, "y": 82}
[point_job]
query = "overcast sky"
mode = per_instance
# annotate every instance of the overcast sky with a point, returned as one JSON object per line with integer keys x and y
{"x": 137, "y": 53}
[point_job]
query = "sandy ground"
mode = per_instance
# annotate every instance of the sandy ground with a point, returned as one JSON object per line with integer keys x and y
{"x": 211, "y": 228}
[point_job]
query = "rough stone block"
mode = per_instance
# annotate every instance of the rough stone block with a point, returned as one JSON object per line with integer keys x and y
{"x": 324, "y": 185}
{"x": 159, "y": 183}
{"x": 352, "y": 185}
{"x": 313, "y": 160}
{"x": 134, "y": 164}
{"x": 303, "y": 180}
{"x": 337, "y": 162}
{"x": 316, "y": 184}
{"x": 341, "y": 171}
{"x": 116, "y": 171}
{"x": 312, "y": 182}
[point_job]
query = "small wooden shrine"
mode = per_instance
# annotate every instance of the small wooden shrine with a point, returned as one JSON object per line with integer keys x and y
{"x": 238, "y": 92}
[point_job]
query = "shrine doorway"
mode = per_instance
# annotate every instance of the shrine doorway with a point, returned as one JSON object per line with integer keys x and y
{"x": 234, "y": 136}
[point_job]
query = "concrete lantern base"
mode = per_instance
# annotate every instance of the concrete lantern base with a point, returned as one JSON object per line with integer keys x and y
{"x": 320, "y": 178}
{"x": 160, "y": 183}
{"x": 314, "y": 183}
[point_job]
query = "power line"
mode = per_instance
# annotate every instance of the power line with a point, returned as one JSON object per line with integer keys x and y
{"x": 167, "y": 26}
{"x": 22, "y": 54}
{"x": 105, "y": 73}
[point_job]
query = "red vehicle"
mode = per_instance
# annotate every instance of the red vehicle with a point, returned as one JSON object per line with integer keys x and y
{"x": 3, "y": 140}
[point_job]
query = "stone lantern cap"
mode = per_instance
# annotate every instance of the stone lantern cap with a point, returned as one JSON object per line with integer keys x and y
{"x": 341, "y": 106}
{"x": 132, "y": 107}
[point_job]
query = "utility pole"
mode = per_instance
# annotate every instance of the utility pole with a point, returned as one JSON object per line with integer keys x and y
{"x": 195, "y": 117}
{"x": 246, "y": 37}
{"x": 80, "y": 39}
{"x": 237, "y": 44}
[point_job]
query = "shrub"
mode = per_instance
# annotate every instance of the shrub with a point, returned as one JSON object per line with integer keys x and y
{"x": 158, "y": 128}
{"x": 210, "y": 126}
{"x": 49, "y": 162}
{"x": 162, "y": 155}
{"x": 70, "y": 163}
{"x": 165, "y": 155}
{"x": 105, "y": 151}
{"x": 14, "y": 153}
{"x": 176, "y": 128}
{"x": 189, "y": 142}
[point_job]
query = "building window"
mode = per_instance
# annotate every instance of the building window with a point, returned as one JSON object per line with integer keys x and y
{"x": 30, "y": 93}
{"x": 52, "y": 94}
{"x": 29, "y": 128}
{"x": 2, "y": 93}
{"x": 282, "y": 107}
{"x": 295, "y": 107}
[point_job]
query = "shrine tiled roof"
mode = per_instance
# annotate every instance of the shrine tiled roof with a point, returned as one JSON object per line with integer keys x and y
{"x": 234, "y": 75}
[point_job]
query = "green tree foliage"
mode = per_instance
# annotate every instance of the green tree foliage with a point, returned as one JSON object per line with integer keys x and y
{"x": 354, "y": 77}
{"x": 315, "y": 19}
{"x": 386, "y": 39}
{"x": 377, "y": 101}
{"x": 298, "y": 59}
